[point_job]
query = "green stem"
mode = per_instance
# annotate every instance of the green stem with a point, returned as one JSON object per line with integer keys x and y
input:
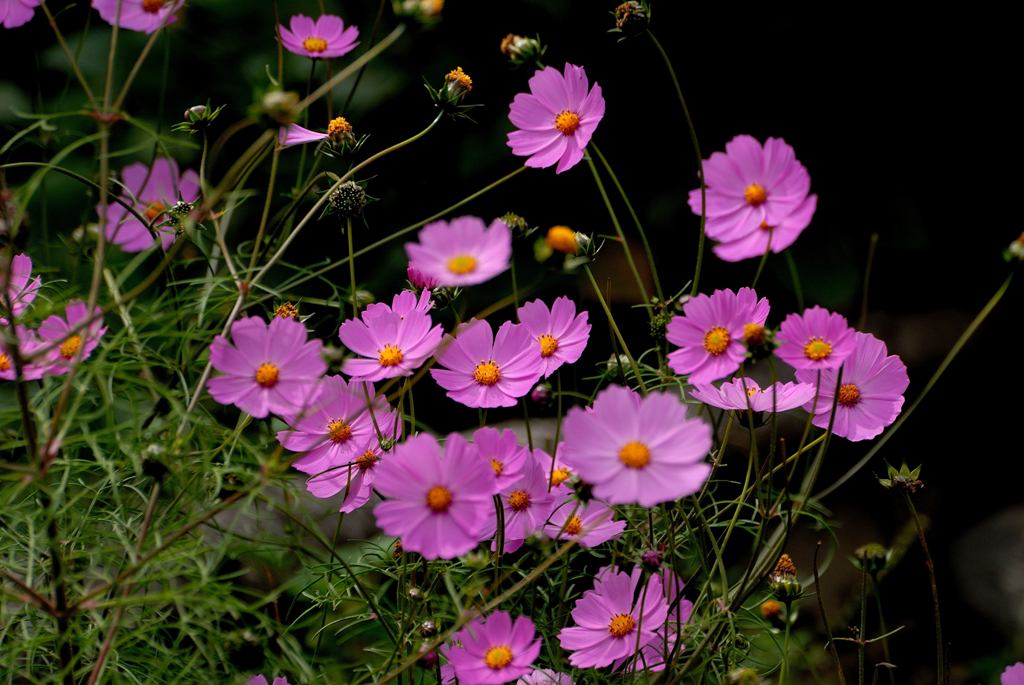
{"x": 615, "y": 328}
{"x": 940, "y": 661}
{"x": 785, "y": 645}
{"x": 266, "y": 208}
{"x": 71, "y": 58}
{"x": 352, "y": 269}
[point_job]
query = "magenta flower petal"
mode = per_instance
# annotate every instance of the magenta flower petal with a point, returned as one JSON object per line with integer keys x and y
{"x": 21, "y": 289}
{"x": 560, "y": 335}
{"x": 589, "y": 524}
{"x": 74, "y": 345}
{"x": 34, "y": 363}
{"x": 740, "y": 394}
{"x": 151, "y": 191}
{"x": 545, "y": 676}
{"x": 326, "y": 37}
{"x": 390, "y": 342}
{"x": 817, "y": 339}
{"x": 1013, "y": 675}
{"x": 462, "y": 252}
{"x": 493, "y": 650}
{"x": 15, "y": 13}
{"x": 138, "y": 15}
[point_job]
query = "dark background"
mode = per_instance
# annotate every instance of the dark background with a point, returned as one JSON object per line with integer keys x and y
{"x": 903, "y": 119}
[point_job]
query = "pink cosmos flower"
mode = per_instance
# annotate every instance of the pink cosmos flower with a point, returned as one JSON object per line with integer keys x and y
{"x": 652, "y": 656}
{"x": 390, "y": 341}
{"x": 556, "y": 119}
{"x": 293, "y": 134}
{"x": 355, "y": 477}
{"x": 754, "y": 195}
{"x": 463, "y": 252}
{"x": 261, "y": 680}
{"x": 326, "y": 37}
{"x": 336, "y": 426}
{"x": 138, "y": 15}
{"x": 607, "y": 618}
{"x": 711, "y": 333}
{"x": 561, "y": 335}
{"x": 485, "y": 371}
{"x": 503, "y": 453}
{"x": 559, "y": 472}
{"x": 1013, "y": 675}
{"x": 545, "y": 676}
{"x": 28, "y": 345}
{"x": 637, "y": 450}
{"x": 527, "y": 504}
{"x": 588, "y": 524}
{"x": 817, "y": 339}
{"x": 407, "y": 302}
{"x": 440, "y": 507}
{"x": 870, "y": 396}
{"x": 741, "y": 393}
{"x": 268, "y": 369}
{"x": 14, "y": 13}
{"x": 151, "y": 192}
{"x": 74, "y": 344}
{"x": 20, "y": 290}
{"x": 493, "y": 650}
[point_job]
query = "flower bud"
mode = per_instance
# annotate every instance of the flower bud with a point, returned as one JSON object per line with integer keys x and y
{"x": 562, "y": 239}
{"x": 279, "y": 106}
{"x": 1015, "y": 250}
{"x": 516, "y": 223}
{"x": 348, "y": 200}
{"x": 339, "y": 132}
{"x": 419, "y": 280}
{"x": 905, "y": 478}
{"x": 651, "y": 559}
{"x": 632, "y": 18}
{"x": 873, "y": 557}
{"x": 541, "y": 393}
{"x": 286, "y": 310}
{"x": 783, "y": 581}
{"x": 457, "y": 83}
{"x": 521, "y": 50}
{"x": 428, "y": 658}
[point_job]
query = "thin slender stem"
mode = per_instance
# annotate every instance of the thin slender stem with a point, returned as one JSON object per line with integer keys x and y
{"x": 352, "y": 269}
{"x": 784, "y": 671}
{"x": 267, "y": 200}
{"x": 862, "y": 635}
{"x": 615, "y": 327}
{"x": 71, "y": 58}
{"x": 119, "y": 100}
{"x": 940, "y": 660}
{"x": 824, "y": 618}
{"x": 872, "y": 246}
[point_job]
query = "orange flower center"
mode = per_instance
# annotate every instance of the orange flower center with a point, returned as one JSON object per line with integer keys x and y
{"x": 338, "y": 126}
{"x": 519, "y": 500}
{"x": 716, "y": 341}
{"x": 753, "y": 390}
{"x": 817, "y": 349}
{"x": 621, "y": 625}
{"x": 498, "y": 657}
{"x": 574, "y": 526}
{"x": 287, "y": 311}
{"x": 154, "y": 209}
{"x": 5, "y": 362}
{"x": 548, "y": 345}
{"x": 753, "y": 333}
{"x": 315, "y": 44}
{"x": 567, "y": 122}
{"x": 755, "y": 194}
{"x": 462, "y": 264}
{"x": 486, "y": 373}
{"x": 367, "y": 460}
{"x": 562, "y": 239}
{"x": 69, "y": 347}
{"x": 849, "y": 395}
{"x": 339, "y": 431}
{"x": 439, "y": 498}
{"x": 266, "y": 375}
{"x": 559, "y": 476}
{"x": 390, "y": 356}
{"x": 635, "y": 455}
{"x": 497, "y": 466}
{"x": 153, "y": 6}
{"x": 457, "y": 75}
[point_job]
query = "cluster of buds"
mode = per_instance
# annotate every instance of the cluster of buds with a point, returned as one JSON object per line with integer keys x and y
{"x": 905, "y": 478}
{"x": 631, "y": 18}
{"x": 1016, "y": 250}
{"x": 197, "y": 118}
{"x": 425, "y": 12}
{"x": 783, "y": 581}
{"x": 522, "y": 51}
{"x": 448, "y": 98}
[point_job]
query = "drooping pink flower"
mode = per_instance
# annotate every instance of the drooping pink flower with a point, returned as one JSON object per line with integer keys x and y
{"x": 653, "y": 655}
{"x": 151, "y": 192}
{"x": 440, "y": 507}
{"x": 608, "y": 618}
{"x": 390, "y": 342}
{"x": 73, "y": 345}
{"x": 336, "y": 425}
{"x": 527, "y": 504}
{"x": 870, "y": 396}
{"x": 29, "y": 344}
{"x": 1013, "y": 675}
{"x": 754, "y": 194}
{"x": 355, "y": 477}
{"x": 556, "y": 119}
{"x": 588, "y": 524}
{"x": 817, "y": 339}
{"x": 711, "y": 333}
{"x": 326, "y": 37}
{"x": 503, "y": 453}
{"x": 267, "y": 369}
{"x": 293, "y": 134}
{"x": 485, "y": 371}
{"x": 560, "y": 334}
{"x": 14, "y": 13}
{"x": 462, "y": 252}
{"x": 21, "y": 290}
{"x": 493, "y": 650}
{"x": 637, "y": 450}
{"x": 261, "y": 680}
{"x": 545, "y": 676}
{"x": 138, "y": 15}
{"x": 741, "y": 393}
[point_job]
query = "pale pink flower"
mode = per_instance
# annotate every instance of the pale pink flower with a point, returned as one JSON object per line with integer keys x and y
{"x": 21, "y": 290}
{"x": 588, "y": 524}
{"x": 493, "y": 650}
{"x": 138, "y": 15}
{"x": 151, "y": 191}
{"x": 29, "y": 344}
{"x": 561, "y": 335}
{"x": 462, "y": 252}
{"x": 325, "y": 37}
{"x": 741, "y": 394}
{"x": 74, "y": 345}
{"x": 14, "y": 13}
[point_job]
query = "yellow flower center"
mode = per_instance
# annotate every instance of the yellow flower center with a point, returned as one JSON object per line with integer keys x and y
{"x": 153, "y": 6}
{"x": 486, "y": 373}
{"x": 154, "y": 209}
{"x": 497, "y": 466}
{"x": 574, "y": 526}
{"x": 817, "y": 349}
{"x": 457, "y": 75}
{"x": 266, "y": 375}
{"x": 366, "y": 460}
{"x": 621, "y": 625}
{"x": 562, "y": 239}
{"x": 339, "y": 431}
{"x": 390, "y": 356}
{"x": 462, "y": 264}
{"x": 286, "y": 311}
{"x": 635, "y": 455}
{"x": 439, "y": 498}
{"x": 498, "y": 657}
{"x": 69, "y": 347}
{"x": 559, "y": 476}
{"x": 849, "y": 394}
{"x": 548, "y": 345}
{"x": 755, "y": 194}
{"x": 338, "y": 126}
{"x": 5, "y": 362}
{"x": 716, "y": 341}
{"x": 315, "y": 44}
{"x": 567, "y": 122}
{"x": 753, "y": 333}
{"x": 519, "y": 500}
{"x": 753, "y": 390}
